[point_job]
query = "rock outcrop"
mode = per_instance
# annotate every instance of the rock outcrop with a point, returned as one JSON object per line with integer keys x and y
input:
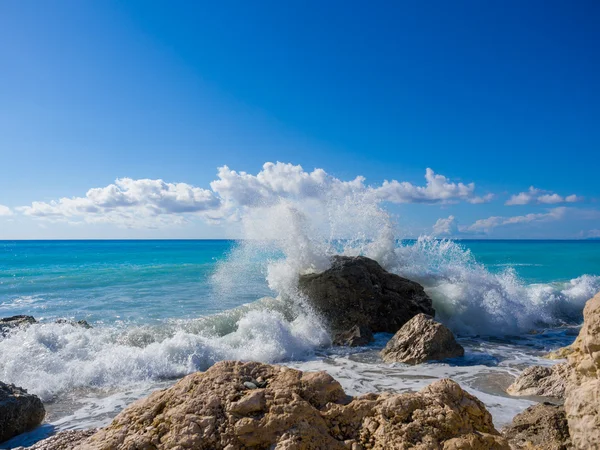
{"x": 19, "y": 411}
{"x": 9, "y": 323}
{"x": 226, "y": 408}
{"x": 422, "y": 339}
{"x": 540, "y": 427}
{"x": 541, "y": 381}
{"x": 357, "y": 291}
{"x": 582, "y": 403}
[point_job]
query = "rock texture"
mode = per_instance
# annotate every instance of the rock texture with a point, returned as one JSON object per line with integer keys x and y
{"x": 354, "y": 337}
{"x": 541, "y": 381}
{"x": 19, "y": 411}
{"x": 64, "y": 440}
{"x": 422, "y": 339}
{"x": 9, "y": 323}
{"x": 541, "y": 427}
{"x": 582, "y": 403}
{"x": 295, "y": 410}
{"x": 357, "y": 291}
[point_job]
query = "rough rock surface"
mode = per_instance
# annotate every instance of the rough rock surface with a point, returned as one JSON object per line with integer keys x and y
{"x": 422, "y": 339}
{"x": 542, "y": 427}
{"x": 357, "y": 291}
{"x": 8, "y": 323}
{"x": 582, "y": 403}
{"x": 541, "y": 381}
{"x": 64, "y": 440}
{"x": 354, "y": 337}
{"x": 19, "y": 411}
{"x": 295, "y": 410}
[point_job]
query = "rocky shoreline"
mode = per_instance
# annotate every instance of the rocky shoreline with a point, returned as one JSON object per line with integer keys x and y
{"x": 250, "y": 405}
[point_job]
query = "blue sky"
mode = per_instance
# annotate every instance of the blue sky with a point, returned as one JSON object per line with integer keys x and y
{"x": 504, "y": 95}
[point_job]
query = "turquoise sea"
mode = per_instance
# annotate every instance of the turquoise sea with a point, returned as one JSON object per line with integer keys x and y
{"x": 163, "y": 308}
{"x": 138, "y": 281}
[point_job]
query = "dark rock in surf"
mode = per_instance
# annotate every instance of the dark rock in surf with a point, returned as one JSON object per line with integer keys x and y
{"x": 422, "y": 339}
{"x": 542, "y": 426}
{"x": 9, "y": 323}
{"x": 357, "y": 291}
{"x": 78, "y": 323}
{"x": 355, "y": 337}
{"x": 19, "y": 411}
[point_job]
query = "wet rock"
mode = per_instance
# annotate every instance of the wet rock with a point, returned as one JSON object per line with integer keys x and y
{"x": 357, "y": 291}
{"x": 9, "y": 323}
{"x": 542, "y": 427}
{"x": 541, "y": 381}
{"x": 19, "y": 411}
{"x": 78, "y": 323}
{"x": 296, "y": 410}
{"x": 422, "y": 339}
{"x": 356, "y": 336}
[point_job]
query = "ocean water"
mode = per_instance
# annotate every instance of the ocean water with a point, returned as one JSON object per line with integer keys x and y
{"x": 163, "y": 309}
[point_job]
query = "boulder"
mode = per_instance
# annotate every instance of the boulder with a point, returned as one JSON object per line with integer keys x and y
{"x": 542, "y": 427}
{"x": 9, "y": 323}
{"x": 293, "y": 411}
{"x": 582, "y": 404}
{"x": 19, "y": 411}
{"x": 541, "y": 381}
{"x": 357, "y": 291}
{"x": 422, "y": 339}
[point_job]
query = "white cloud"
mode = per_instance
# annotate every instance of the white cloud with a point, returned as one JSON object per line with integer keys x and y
{"x": 278, "y": 180}
{"x": 438, "y": 189}
{"x": 128, "y": 202}
{"x": 151, "y": 203}
{"x": 498, "y": 221}
{"x": 535, "y": 195}
{"x": 446, "y": 227}
{"x": 5, "y": 211}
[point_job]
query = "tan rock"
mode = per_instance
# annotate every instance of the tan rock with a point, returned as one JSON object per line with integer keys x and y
{"x": 293, "y": 411}
{"x": 541, "y": 381}
{"x": 582, "y": 404}
{"x": 421, "y": 339}
{"x": 540, "y": 427}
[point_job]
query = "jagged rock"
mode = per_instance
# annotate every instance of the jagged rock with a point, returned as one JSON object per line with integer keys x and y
{"x": 582, "y": 403}
{"x": 354, "y": 337}
{"x": 541, "y": 381}
{"x": 357, "y": 291}
{"x": 19, "y": 411}
{"x": 294, "y": 411}
{"x": 541, "y": 427}
{"x": 63, "y": 440}
{"x": 9, "y": 323}
{"x": 422, "y": 339}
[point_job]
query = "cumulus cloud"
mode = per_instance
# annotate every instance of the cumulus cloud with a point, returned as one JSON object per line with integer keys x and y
{"x": 146, "y": 202}
{"x": 5, "y": 211}
{"x": 446, "y": 227}
{"x": 498, "y": 221}
{"x": 437, "y": 189}
{"x": 279, "y": 180}
{"x": 535, "y": 195}
{"x": 129, "y": 202}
